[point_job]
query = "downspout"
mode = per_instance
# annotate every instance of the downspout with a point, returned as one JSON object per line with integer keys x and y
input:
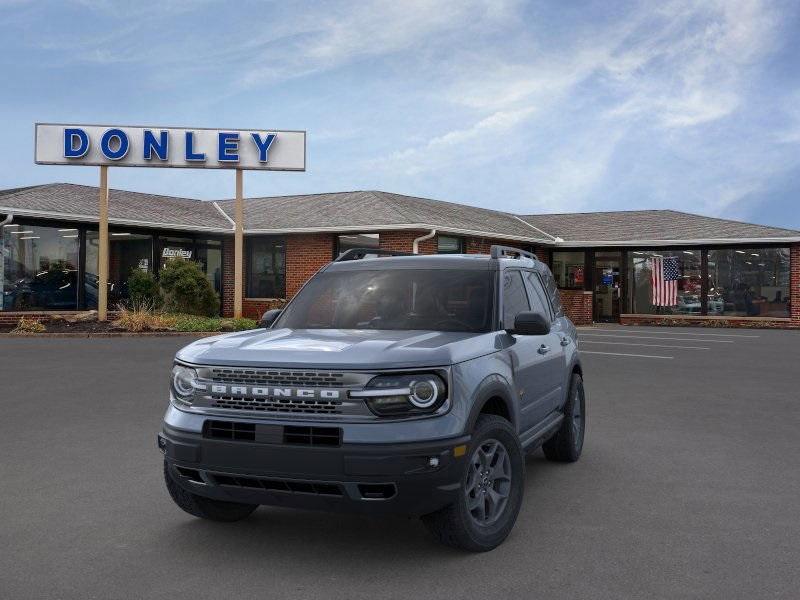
{"x": 7, "y": 220}
{"x": 427, "y": 236}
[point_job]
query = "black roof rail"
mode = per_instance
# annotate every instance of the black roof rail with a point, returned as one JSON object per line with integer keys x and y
{"x": 509, "y": 251}
{"x": 361, "y": 253}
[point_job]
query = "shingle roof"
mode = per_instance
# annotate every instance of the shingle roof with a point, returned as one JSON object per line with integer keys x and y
{"x": 650, "y": 225}
{"x": 373, "y": 210}
{"x": 364, "y": 211}
{"x": 72, "y": 201}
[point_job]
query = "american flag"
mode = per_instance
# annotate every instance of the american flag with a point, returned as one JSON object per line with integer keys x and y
{"x": 664, "y": 277}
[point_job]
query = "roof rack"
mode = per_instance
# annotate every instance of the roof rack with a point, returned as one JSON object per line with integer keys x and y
{"x": 510, "y": 252}
{"x": 362, "y": 253}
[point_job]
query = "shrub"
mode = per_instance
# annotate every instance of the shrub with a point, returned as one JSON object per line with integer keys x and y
{"x": 241, "y": 324}
{"x": 26, "y": 325}
{"x": 143, "y": 289}
{"x": 186, "y": 289}
{"x": 195, "y": 323}
{"x": 141, "y": 317}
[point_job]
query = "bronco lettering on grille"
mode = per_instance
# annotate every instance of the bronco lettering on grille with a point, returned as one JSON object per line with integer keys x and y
{"x": 274, "y": 392}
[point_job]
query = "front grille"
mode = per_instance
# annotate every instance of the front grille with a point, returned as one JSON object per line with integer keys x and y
{"x": 230, "y": 430}
{"x": 268, "y": 377}
{"x": 312, "y": 436}
{"x": 279, "y": 485}
{"x": 278, "y": 405}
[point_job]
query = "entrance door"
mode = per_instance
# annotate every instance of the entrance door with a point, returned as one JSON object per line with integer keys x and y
{"x": 607, "y": 286}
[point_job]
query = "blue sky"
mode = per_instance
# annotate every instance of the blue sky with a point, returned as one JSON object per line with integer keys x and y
{"x": 521, "y": 106}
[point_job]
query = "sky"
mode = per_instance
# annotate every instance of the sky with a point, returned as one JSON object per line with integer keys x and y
{"x": 529, "y": 107}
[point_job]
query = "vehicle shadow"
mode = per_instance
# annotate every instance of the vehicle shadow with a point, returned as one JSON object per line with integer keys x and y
{"x": 317, "y": 536}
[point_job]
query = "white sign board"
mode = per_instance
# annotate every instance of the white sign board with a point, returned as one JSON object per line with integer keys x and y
{"x": 189, "y": 148}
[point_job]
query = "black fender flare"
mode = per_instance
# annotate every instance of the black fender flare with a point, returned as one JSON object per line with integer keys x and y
{"x": 494, "y": 386}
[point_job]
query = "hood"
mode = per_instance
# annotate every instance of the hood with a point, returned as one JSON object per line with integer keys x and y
{"x": 339, "y": 349}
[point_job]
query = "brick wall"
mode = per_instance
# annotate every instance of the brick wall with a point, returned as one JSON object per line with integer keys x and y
{"x": 577, "y": 305}
{"x": 227, "y": 276}
{"x": 305, "y": 255}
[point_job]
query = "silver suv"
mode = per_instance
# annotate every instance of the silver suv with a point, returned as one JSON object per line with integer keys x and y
{"x": 389, "y": 384}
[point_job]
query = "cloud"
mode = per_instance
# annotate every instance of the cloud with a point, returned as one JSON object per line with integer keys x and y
{"x": 465, "y": 146}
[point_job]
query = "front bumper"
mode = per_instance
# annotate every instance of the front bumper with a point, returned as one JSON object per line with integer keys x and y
{"x": 398, "y": 478}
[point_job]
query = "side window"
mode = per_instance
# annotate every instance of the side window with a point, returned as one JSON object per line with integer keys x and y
{"x": 551, "y": 288}
{"x": 515, "y": 299}
{"x": 537, "y": 294}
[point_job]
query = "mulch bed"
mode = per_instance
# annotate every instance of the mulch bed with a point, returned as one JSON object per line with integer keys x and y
{"x": 61, "y": 326}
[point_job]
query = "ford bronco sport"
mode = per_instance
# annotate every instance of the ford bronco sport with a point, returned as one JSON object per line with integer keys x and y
{"x": 389, "y": 384}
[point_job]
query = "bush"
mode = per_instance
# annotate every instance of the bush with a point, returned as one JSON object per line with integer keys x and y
{"x": 143, "y": 289}
{"x": 186, "y": 290}
{"x": 26, "y": 325}
{"x": 141, "y": 317}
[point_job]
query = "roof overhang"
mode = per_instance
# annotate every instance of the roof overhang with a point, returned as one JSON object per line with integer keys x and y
{"x": 94, "y": 219}
{"x": 683, "y": 242}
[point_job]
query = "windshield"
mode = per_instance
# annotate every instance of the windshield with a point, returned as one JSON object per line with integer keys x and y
{"x": 439, "y": 300}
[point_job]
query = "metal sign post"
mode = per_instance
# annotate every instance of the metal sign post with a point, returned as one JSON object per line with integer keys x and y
{"x": 176, "y": 147}
{"x": 103, "y": 253}
{"x": 238, "y": 243}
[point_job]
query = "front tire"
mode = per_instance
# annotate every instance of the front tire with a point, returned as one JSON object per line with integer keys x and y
{"x": 205, "y": 508}
{"x": 491, "y": 490}
{"x": 567, "y": 444}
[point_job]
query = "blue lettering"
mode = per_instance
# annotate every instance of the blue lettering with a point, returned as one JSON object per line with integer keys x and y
{"x": 263, "y": 145}
{"x": 228, "y": 142}
{"x": 159, "y": 146}
{"x": 190, "y": 153}
{"x": 122, "y": 144}
{"x": 70, "y": 137}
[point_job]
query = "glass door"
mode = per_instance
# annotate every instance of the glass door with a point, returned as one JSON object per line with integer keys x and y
{"x": 607, "y": 285}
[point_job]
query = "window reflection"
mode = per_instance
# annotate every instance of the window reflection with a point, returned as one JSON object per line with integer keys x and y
{"x": 39, "y": 268}
{"x": 568, "y": 269}
{"x": 747, "y": 282}
{"x": 666, "y": 282}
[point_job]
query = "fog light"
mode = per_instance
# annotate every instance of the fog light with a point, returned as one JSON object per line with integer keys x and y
{"x": 433, "y": 462}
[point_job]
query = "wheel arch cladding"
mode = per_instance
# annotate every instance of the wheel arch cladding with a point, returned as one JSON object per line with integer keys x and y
{"x": 492, "y": 397}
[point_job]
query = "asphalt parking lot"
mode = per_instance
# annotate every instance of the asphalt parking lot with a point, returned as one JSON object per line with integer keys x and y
{"x": 689, "y": 487}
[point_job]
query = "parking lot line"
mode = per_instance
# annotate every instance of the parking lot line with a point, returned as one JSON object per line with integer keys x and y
{"x": 648, "y": 345}
{"x": 624, "y": 354}
{"x": 652, "y": 337}
{"x": 633, "y": 331}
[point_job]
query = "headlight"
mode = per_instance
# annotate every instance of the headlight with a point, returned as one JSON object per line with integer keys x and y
{"x": 401, "y": 395}
{"x": 183, "y": 379}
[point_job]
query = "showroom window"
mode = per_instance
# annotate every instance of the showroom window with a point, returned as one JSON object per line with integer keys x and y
{"x": 209, "y": 255}
{"x": 357, "y": 240}
{"x": 39, "y": 267}
{"x": 448, "y": 244}
{"x": 748, "y": 282}
{"x": 665, "y": 282}
{"x": 266, "y": 267}
{"x": 128, "y": 252}
{"x": 569, "y": 270}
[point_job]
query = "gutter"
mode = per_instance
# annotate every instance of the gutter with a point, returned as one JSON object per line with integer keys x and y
{"x": 685, "y": 242}
{"x": 224, "y": 214}
{"x": 556, "y": 239}
{"x": 422, "y": 238}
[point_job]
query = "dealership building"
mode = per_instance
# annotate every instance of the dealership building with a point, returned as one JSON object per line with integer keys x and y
{"x": 610, "y": 266}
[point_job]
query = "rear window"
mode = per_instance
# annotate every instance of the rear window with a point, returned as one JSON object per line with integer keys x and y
{"x": 552, "y": 291}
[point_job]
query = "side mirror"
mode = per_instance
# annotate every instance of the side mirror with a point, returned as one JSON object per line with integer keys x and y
{"x": 269, "y": 317}
{"x": 531, "y": 323}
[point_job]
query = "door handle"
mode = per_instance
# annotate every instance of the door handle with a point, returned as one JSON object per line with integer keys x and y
{"x": 544, "y": 349}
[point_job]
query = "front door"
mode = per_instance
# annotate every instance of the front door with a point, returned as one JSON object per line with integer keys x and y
{"x": 537, "y": 360}
{"x": 607, "y": 286}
